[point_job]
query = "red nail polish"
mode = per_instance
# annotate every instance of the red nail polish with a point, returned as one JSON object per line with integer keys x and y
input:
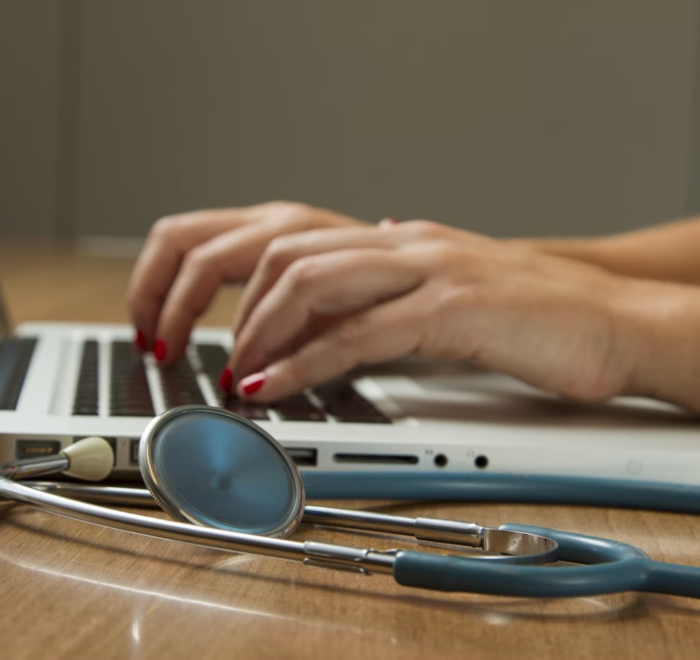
{"x": 253, "y": 383}
{"x": 160, "y": 350}
{"x": 226, "y": 380}
{"x": 388, "y": 222}
{"x": 140, "y": 340}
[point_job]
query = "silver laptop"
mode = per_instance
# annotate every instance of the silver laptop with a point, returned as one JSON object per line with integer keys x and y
{"x": 62, "y": 382}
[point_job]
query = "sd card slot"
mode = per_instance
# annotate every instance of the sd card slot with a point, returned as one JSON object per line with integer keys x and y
{"x": 376, "y": 459}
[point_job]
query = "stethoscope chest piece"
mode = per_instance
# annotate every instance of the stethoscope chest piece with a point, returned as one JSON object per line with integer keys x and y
{"x": 211, "y": 467}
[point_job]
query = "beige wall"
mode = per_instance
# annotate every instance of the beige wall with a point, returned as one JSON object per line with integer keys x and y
{"x": 515, "y": 117}
{"x": 29, "y": 116}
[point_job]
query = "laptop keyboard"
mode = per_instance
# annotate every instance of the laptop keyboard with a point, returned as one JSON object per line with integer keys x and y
{"x": 15, "y": 356}
{"x": 130, "y": 393}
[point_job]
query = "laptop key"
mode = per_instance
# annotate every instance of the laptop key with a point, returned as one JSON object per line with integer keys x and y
{"x": 341, "y": 400}
{"x": 356, "y": 416}
{"x": 129, "y": 392}
{"x": 180, "y": 386}
{"x": 213, "y": 358}
{"x": 249, "y": 410}
{"x": 298, "y": 408}
{"x": 86, "y": 392}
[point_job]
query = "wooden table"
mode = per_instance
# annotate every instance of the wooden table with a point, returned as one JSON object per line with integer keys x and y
{"x": 72, "y": 590}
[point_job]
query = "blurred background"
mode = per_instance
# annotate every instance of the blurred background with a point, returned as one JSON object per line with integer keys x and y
{"x": 536, "y": 117}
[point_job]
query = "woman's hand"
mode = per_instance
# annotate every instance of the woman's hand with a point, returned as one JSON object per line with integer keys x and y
{"x": 323, "y": 302}
{"x": 188, "y": 257}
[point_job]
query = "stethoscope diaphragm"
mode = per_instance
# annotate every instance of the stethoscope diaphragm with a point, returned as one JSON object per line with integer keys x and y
{"x": 211, "y": 467}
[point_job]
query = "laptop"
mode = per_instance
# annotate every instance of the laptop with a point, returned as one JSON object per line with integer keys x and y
{"x": 60, "y": 382}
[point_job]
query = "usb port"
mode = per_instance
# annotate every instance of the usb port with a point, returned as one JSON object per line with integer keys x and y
{"x": 303, "y": 457}
{"x": 36, "y": 448}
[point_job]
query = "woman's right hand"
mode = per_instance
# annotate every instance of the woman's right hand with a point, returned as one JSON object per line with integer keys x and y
{"x": 187, "y": 258}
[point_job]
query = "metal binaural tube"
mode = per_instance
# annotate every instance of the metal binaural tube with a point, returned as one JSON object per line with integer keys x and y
{"x": 422, "y": 529}
{"x": 104, "y": 495}
{"x": 525, "y": 547}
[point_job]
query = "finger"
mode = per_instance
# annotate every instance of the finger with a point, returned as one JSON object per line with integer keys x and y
{"x": 341, "y": 282}
{"x": 229, "y": 257}
{"x": 159, "y": 261}
{"x": 173, "y": 238}
{"x": 387, "y": 332}
{"x": 287, "y": 249}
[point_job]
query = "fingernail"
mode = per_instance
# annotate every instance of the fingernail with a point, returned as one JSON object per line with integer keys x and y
{"x": 226, "y": 380}
{"x": 160, "y": 350}
{"x": 388, "y": 222}
{"x": 140, "y": 340}
{"x": 252, "y": 384}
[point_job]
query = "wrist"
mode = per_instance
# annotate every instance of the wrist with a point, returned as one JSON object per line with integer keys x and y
{"x": 662, "y": 323}
{"x": 589, "y": 250}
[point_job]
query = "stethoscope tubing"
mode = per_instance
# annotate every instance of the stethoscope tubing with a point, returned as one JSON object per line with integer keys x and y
{"x": 454, "y": 574}
{"x": 499, "y": 487}
{"x": 609, "y": 567}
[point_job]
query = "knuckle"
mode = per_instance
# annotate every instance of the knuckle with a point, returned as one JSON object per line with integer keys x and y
{"x": 200, "y": 269}
{"x": 278, "y": 255}
{"x": 196, "y": 260}
{"x": 171, "y": 227}
{"x": 439, "y": 256}
{"x": 302, "y": 274}
{"x": 278, "y": 204}
{"x": 167, "y": 227}
{"x": 293, "y": 211}
{"x": 426, "y": 229}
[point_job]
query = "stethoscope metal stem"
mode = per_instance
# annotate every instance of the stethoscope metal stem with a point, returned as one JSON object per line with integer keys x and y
{"x": 34, "y": 467}
{"x": 317, "y": 554}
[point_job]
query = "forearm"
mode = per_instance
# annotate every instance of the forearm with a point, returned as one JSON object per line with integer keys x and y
{"x": 664, "y": 322}
{"x": 669, "y": 252}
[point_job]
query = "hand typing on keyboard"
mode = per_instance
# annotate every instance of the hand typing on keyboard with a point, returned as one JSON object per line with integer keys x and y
{"x": 188, "y": 257}
{"x": 327, "y": 293}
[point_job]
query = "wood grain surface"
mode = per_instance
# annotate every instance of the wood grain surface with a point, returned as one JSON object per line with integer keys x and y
{"x": 74, "y": 590}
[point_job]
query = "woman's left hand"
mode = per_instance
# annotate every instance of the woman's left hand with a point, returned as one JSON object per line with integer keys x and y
{"x": 322, "y": 302}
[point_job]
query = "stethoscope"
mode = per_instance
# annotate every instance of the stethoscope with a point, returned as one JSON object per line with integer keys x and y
{"x": 231, "y": 486}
